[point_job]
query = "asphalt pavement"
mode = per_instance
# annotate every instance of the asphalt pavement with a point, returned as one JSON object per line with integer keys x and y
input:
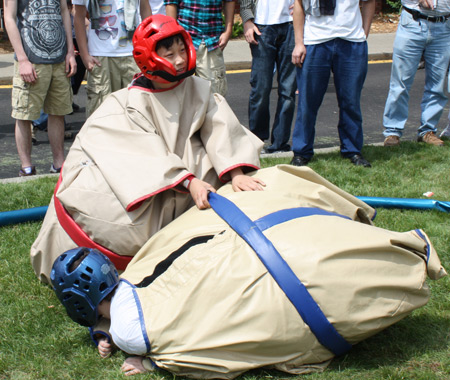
{"x": 237, "y": 55}
{"x": 238, "y": 61}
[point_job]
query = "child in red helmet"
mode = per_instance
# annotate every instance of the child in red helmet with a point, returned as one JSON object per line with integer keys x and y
{"x": 146, "y": 155}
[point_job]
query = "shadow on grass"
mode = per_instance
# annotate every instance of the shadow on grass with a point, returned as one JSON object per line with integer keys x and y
{"x": 395, "y": 346}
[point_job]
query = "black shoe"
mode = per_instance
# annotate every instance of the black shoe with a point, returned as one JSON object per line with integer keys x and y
{"x": 299, "y": 161}
{"x": 359, "y": 160}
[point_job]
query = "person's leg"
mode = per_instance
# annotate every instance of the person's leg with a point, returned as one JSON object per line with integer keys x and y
{"x": 261, "y": 79}
{"x": 281, "y": 131}
{"x": 211, "y": 66}
{"x": 312, "y": 82}
{"x": 55, "y": 131}
{"x": 437, "y": 58}
{"x": 57, "y": 104}
{"x": 23, "y": 141}
{"x": 409, "y": 45}
{"x": 350, "y": 70}
{"x": 98, "y": 85}
{"x": 27, "y": 102}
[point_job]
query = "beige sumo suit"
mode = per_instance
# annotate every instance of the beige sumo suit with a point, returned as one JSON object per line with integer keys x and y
{"x": 122, "y": 179}
{"x": 211, "y": 304}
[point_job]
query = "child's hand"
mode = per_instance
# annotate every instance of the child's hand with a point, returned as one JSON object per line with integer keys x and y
{"x": 133, "y": 365}
{"x": 104, "y": 347}
{"x": 243, "y": 182}
{"x": 199, "y": 191}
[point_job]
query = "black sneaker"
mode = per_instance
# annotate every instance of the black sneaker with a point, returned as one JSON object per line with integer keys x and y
{"x": 299, "y": 161}
{"x": 359, "y": 160}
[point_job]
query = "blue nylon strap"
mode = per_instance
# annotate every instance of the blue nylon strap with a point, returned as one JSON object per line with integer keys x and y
{"x": 296, "y": 292}
{"x": 285, "y": 215}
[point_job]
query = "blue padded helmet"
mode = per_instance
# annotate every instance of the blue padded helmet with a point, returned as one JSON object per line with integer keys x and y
{"x": 81, "y": 289}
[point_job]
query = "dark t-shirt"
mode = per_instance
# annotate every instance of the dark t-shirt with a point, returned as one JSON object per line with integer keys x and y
{"x": 42, "y": 30}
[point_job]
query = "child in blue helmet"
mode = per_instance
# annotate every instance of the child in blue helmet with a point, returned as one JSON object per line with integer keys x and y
{"x": 205, "y": 297}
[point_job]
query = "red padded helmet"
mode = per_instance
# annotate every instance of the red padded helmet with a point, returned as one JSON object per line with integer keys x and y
{"x": 152, "y": 30}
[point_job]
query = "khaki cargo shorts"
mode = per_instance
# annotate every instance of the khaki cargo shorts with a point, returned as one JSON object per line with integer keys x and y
{"x": 211, "y": 66}
{"x": 114, "y": 74}
{"x": 51, "y": 92}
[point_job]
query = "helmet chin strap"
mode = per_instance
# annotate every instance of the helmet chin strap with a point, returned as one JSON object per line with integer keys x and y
{"x": 169, "y": 77}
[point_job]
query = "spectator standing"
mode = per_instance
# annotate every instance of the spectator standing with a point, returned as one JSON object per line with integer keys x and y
{"x": 330, "y": 37}
{"x": 44, "y": 62}
{"x": 424, "y": 29}
{"x": 202, "y": 19}
{"x": 107, "y": 51}
{"x": 269, "y": 31}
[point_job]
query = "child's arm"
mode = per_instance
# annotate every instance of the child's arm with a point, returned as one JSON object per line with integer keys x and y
{"x": 102, "y": 338}
{"x": 136, "y": 364}
{"x": 199, "y": 191}
{"x": 104, "y": 347}
{"x": 242, "y": 182}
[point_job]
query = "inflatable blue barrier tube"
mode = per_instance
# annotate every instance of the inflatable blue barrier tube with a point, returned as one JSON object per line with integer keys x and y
{"x": 38, "y": 213}
{"x": 407, "y": 203}
{"x": 21, "y": 216}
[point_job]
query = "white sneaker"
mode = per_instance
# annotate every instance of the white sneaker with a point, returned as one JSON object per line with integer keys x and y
{"x": 445, "y": 133}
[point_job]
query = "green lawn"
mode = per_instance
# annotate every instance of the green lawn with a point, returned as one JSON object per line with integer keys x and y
{"x": 38, "y": 340}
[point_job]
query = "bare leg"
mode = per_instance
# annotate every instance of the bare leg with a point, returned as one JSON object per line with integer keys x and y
{"x": 23, "y": 141}
{"x": 55, "y": 130}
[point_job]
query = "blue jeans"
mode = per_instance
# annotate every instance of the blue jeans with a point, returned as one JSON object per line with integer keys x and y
{"x": 348, "y": 62}
{"x": 275, "y": 46}
{"x": 414, "y": 38}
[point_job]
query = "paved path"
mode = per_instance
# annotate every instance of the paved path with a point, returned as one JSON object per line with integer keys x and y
{"x": 237, "y": 54}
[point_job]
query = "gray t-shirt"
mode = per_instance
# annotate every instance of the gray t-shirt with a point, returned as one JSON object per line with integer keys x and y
{"x": 42, "y": 30}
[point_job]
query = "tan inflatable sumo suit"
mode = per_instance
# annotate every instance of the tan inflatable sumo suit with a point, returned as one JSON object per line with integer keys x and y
{"x": 122, "y": 179}
{"x": 212, "y": 309}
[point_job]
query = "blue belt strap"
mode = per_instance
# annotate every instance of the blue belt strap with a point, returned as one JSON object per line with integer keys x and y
{"x": 287, "y": 214}
{"x": 296, "y": 292}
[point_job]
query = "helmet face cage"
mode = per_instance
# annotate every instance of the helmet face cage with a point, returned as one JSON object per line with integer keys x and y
{"x": 81, "y": 289}
{"x": 152, "y": 30}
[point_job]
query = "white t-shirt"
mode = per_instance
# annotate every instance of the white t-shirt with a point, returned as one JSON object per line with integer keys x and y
{"x": 346, "y": 23}
{"x": 126, "y": 328}
{"x": 269, "y": 12}
{"x": 158, "y": 7}
{"x": 442, "y": 7}
{"x": 111, "y": 39}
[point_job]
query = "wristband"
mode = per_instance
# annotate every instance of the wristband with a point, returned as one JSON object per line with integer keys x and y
{"x": 188, "y": 181}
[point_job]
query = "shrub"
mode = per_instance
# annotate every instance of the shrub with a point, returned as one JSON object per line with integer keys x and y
{"x": 393, "y": 5}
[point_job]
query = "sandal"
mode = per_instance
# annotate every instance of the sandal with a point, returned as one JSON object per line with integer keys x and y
{"x": 27, "y": 171}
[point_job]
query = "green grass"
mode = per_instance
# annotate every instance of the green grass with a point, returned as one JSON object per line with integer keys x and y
{"x": 38, "y": 341}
